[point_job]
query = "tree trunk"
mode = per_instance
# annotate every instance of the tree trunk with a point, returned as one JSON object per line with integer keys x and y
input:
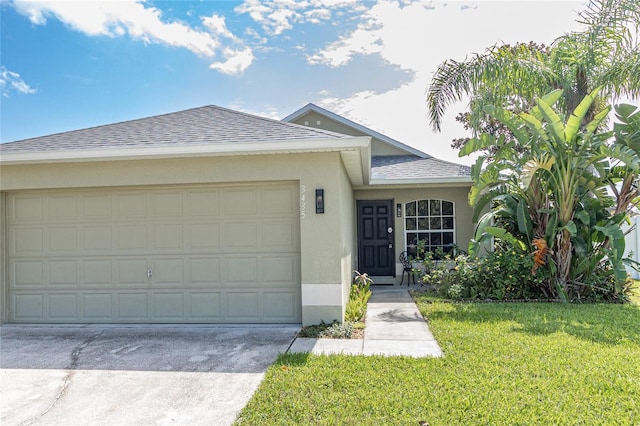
{"x": 563, "y": 262}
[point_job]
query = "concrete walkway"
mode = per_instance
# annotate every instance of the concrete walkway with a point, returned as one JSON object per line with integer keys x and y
{"x": 395, "y": 327}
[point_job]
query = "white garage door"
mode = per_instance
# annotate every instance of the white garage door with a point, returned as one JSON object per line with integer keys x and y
{"x": 207, "y": 254}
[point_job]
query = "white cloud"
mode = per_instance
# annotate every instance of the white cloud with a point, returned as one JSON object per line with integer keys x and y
{"x": 236, "y": 61}
{"x": 217, "y": 25}
{"x": 133, "y": 17}
{"x": 418, "y": 36}
{"x": 11, "y": 81}
{"x": 268, "y": 111}
{"x": 277, "y": 16}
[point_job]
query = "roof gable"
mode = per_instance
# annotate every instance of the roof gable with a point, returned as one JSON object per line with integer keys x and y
{"x": 388, "y": 146}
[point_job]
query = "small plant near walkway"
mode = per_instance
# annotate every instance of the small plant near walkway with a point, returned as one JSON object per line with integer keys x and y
{"x": 356, "y": 310}
{"x": 359, "y": 295}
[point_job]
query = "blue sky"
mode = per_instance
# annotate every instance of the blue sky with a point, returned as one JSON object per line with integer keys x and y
{"x": 67, "y": 65}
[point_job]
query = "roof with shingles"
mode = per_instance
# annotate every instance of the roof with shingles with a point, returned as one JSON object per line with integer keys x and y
{"x": 197, "y": 126}
{"x": 412, "y": 167}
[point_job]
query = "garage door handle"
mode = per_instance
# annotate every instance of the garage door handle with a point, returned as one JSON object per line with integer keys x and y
{"x": 149, "y": 273}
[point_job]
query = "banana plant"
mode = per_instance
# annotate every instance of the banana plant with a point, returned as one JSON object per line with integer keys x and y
{"x": 567, "y": 167}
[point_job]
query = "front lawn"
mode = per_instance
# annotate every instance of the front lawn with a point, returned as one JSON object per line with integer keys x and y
{"x": 504, "y": 364}
{"x": 635, "y": 292}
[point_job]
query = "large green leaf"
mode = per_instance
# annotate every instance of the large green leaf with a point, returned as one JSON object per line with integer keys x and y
{"x": 554, "y": 122}
{"x": 534, "y": 125}
{"x": 479, "y": 143}
{"x": 532, "y": 166}
{"x": 524, "y": 220}
{"x": 550, "y": 99}
{"x": 594, "y": 124}
{"x": 503, "y": 234}
{"x": 578, "y": 114}
{"x": 551, "y": 230}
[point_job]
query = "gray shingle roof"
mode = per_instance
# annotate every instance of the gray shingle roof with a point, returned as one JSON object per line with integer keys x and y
{"x": 412, "y": 167}
{"x": 197, "y": 126}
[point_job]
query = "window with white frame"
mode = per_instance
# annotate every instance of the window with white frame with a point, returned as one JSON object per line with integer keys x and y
{"x": 429, "y": 222}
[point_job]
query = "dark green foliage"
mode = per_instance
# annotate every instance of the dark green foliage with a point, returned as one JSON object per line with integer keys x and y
{"x": 506, "y": 274}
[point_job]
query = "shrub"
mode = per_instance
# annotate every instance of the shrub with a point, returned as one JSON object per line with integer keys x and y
{"x": 359, "y": 295}
{"x": 338, "y": 331}
{"x": 506, "y": 274}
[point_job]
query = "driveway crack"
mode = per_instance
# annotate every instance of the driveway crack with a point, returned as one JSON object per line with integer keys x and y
{"x": 66, "y": 381}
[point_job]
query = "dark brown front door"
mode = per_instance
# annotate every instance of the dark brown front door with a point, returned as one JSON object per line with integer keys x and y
{"x": 375, "y": 238}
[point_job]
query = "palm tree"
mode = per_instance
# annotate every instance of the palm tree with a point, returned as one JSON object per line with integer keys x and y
{"x": 606, "y": 54}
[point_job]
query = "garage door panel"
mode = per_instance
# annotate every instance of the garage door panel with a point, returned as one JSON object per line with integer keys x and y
{"x": 63, "y": 307}
{"x": 26, "y": 208}
{"x": 26, "y": 273}
{"x": 167, "y": 204}
{"x": 279, "y": 201}
{"x": 97, "y": 272}
{"x": 205, "y": 306}
{"x": 63, "y": 240}
{"x": 131, "y": 237}
{"x": 132, "y": 272}
{"x": 280, "y": 270}
{"x": 279, "y": 305}
{"x": 240, "y": 202}
{"x": 204, "y": 236}
{"x": 168, "y": 272}
{"x": 168, "y": 306}
{"x": 167, "y": 236}
{"x": 63, "y": 273}
{"x": 131, "y": 205}
{"x": 205, "y": 202}
{"x": 217, "y": 254}
{"x": 96, "y": 207}
{"x": 280, "y": 235}
{"x": 241, "y": 270}
{"x": 241, "y": 236}
{"x": 204, "y": 270}
{"x": 97, "y": 238}
{"x": 26, "y": 241}
{"x": 133, "y": 306}
{"x": 97, "y": 307}
{"x": 62, "y": 207}
{"x": 28, "y": 307}
{"x": 242, "y": 306}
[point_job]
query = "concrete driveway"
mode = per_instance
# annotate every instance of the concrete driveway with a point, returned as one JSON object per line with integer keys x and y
{"x": 145, "y": 375}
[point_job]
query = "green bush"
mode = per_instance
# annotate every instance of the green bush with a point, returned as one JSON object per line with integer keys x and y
{"x": 506, "y": 274}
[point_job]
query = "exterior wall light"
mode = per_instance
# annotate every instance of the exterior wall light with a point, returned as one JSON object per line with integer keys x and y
{"x": 319, "y": 200}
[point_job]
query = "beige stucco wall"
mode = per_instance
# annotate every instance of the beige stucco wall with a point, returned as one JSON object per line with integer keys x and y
{"x": 457, "y": 194}
{"x": 323, "y": 274}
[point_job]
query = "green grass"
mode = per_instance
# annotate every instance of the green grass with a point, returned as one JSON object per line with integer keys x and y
{"x": 504, "y": 364}
{"x": 635, "y": 292}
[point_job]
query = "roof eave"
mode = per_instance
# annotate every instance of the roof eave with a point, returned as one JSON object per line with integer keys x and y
{"x": 450, "y": 181}
{"x": 208, "y": 150}
{"x": 354, "y": 151}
